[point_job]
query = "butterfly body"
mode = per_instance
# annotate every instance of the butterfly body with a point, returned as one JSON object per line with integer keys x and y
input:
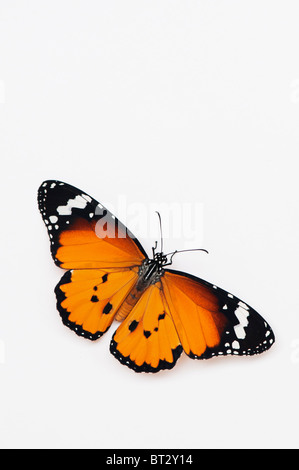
{"x": 109, "y": 277}
{"x": 149, "y": 273}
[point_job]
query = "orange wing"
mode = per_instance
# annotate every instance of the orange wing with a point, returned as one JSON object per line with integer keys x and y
{"x": 212, "y": 322}
{"x": 101, "y": 253}
{"x": 83, "y": 233}
{"x": 179, "y": 312}
{"x": 182, "y": 312}
{"x": 88, "y": 299}
{"x": 147, "y": 341}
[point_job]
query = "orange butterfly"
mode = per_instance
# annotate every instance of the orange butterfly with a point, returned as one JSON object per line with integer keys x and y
{"x": 162, "y": 311}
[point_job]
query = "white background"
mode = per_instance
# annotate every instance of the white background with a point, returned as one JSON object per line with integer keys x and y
{"x": 155, "y": 101}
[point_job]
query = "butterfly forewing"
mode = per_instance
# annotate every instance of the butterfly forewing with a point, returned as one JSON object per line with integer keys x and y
{"x": 212, "y": 322}
{"x": 82, "y": 232}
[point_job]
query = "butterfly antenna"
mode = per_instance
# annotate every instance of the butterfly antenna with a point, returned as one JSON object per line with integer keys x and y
{"x": 161, "y": 235}
{"x": 154, "y": 248}
{"x": 172, "y": 253}
{"x": 193, "y": 249}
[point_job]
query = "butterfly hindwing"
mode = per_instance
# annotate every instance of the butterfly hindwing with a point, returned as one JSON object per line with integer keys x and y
{"x": 147, "y": 340}
{"x": 88, "y": 299}
{"x": 212, "y": 322}
{"x": 83, "y": 233}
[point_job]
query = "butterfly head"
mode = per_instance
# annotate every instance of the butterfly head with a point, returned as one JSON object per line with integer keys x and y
{"x": 160, "y": 259}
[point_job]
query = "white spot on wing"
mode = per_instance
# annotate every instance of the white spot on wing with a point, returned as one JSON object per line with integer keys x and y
{"x": 78, "y": 202}
{"x": 242, "y": 315}
{"x": 240, "y": 332}
{"x": 241, "y": 304}
{"x": 88, "y": 198}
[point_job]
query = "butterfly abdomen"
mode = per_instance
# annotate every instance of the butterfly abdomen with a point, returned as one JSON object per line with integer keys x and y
{"x": 149, "y": 273}
{"x": 128, "y": 304}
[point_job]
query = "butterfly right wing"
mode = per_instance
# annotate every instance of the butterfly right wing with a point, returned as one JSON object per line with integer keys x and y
{"x": 182, "y": 312}
{"x": 212, "y": 322}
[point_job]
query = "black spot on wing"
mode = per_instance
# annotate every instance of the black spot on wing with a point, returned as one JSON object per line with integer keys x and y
{"x": 104, "y": 278}
{"x": 94, "y": 298}
{"x": 147, "y": 334}
{"x": 161, "y": 316}
{"x": 133, "y": 325}
{"x": 107, "y": 308}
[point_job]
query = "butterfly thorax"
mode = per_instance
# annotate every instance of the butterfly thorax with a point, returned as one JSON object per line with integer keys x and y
{"x": 149, "y": 273}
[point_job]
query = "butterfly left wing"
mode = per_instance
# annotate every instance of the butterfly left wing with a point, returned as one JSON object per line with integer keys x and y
{"x": 83, "y": 233}
{"x": 147, "y": 341}
{"x": 212, "y": 322}
{"x": 102, "y": 256}
{"x": 88, "y": 299}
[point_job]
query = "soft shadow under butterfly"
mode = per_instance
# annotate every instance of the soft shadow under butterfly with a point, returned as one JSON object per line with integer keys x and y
{"x": 162, "y": 311}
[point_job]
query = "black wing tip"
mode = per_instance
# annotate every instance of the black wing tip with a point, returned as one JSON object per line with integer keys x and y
{"x": 259, "y": 336}
{"x": 59, "y": 188}
{"x": 42, "y": 196}
{"x": 64, "y": 314}
{"x": 229, "y": 350}
{"x": 147, "y": 368}
{"x": 45, "y": 183}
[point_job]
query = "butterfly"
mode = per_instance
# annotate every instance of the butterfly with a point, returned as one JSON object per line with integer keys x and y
{"x": 163, "y": 312}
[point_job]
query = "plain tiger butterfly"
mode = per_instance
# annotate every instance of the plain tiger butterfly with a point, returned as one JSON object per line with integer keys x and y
{"x": 162, "y": 311}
